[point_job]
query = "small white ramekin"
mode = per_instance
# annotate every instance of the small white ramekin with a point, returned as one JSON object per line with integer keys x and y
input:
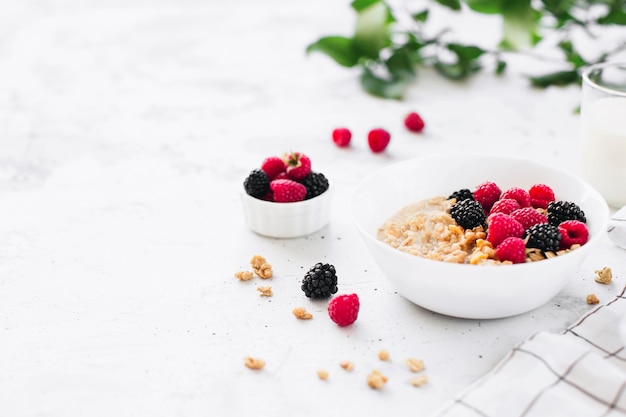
{"x": 287, "y": 220}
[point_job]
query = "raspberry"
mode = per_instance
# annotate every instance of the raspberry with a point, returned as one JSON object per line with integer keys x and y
{"x": 342, "y": 137}
{"x": 560, "y": 211}
{"x": 257, "y": 183}
{"x": 378, "y": 139}
{"x": 287, "y": 191}
{"x": 573, "y": 232}
{"x": 512, "y": 249}
{"x": 486, "y": 194}
{"x": 502, "y": 226}
{"x": 540, "y": 195}
{"x": 298, "y": 165}
{"x": 462, "y": 194}
{"x": 528, "y": 216}
{"x": 344, "y": 309}
{"x": 545, "y": 237}
{"x": 273, "y": 166}
{"x": 320, "y": 281}
{"x": 315, "y": 183}
{"x": 519, "y": 194}
{"x": 282, "y": 176}
{"x": 468, "y": 214}
{"x": 414, "y": 122}
{"x": 505, "y": 205}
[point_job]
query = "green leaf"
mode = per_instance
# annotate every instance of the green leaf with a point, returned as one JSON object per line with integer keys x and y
{"x": 571, "y": 55}
{"x": 359, "y": 5}
{"x": 339, "y": 48}
{"x": 560, "y": 10}
{"x": 452, "y": 4}
{"x": 372, "y": 32}
{"x": 557, "y": 7}
{"x": 615, "y": 17}
{"x": 466, "y": 52}
{"x": 455, "y": 71}
{"x": 466, "y": 61}
{"x": 421, "y": 16}
{"x": 400, "y": 66}
{"x": 485, "y": 6}
{"x": 558, "y": 78}
{"x": 380, "y": 87}
{"x": 500, "y": 67}
{"x": 519, "y": 24}
{"x": 415, "y": 44}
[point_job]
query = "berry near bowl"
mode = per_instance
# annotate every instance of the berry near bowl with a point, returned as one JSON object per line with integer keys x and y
{"x": 509, "y": 263}
{"x": 285, "y": 198}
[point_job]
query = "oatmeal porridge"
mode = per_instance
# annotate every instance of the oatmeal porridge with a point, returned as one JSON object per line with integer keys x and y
{"x": 427, "y": 229}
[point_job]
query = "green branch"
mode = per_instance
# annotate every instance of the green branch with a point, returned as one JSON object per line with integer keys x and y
{"x": 389, "y": 56}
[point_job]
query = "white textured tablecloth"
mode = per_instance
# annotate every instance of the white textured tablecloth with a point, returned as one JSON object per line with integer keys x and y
{"x": 580, "y": 372}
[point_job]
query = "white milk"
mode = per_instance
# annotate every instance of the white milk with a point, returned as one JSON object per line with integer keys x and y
{"x": 604, "y": 148}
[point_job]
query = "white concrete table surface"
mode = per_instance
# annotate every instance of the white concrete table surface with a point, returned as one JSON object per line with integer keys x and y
{"x": 126, "y": 129}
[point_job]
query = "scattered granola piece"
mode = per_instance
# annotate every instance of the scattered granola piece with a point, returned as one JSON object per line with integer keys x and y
{"x": 415, "y": 365}
{"x": 604, "y": 275}
{"x": 244, "y": 275}
{"x": 254, "y": 363}
{"x": 301, "y": 313}
{"x": 383, "y": 355}
{"x": 322, "y": 374}
{"x": 347, "y": 365}
{"x": 592, "y": 299}
{"x": 376, "y": 380}
{"x": 261, "y": 267}
{"x": 419, "y": 380}
{"x": 265, "y": 291}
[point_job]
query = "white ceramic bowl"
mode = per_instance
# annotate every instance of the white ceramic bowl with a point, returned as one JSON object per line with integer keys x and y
{"x": 463, "y": 290}
{"x": 287, "y": 220}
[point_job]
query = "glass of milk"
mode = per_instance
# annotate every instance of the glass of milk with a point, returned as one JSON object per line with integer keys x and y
{"x": 603, "y": 111}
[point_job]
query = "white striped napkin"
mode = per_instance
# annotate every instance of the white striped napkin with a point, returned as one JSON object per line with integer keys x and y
{"x": 578, "y": 373}
{"x": 617, "y": 228}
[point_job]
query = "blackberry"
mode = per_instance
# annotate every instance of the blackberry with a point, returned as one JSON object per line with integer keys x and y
{"x": 545, "y": 237}
{"x": 257, "y": 184}
{"x": 468, "y": 214}
{"x": 320, "y": 281}
{"x": 560, "y": 211}
{"x": 316, "y": 183}
{"x": 463, "y": 194}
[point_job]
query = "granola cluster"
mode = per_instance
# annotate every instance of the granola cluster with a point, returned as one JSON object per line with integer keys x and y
{"x": 604, "y": 275}
{"x": 301, "y": 313}
{"x": 244, "y": 275}
{"x": 265, "y": 291}
{"x": 261, "y": 267}
{"x": 592, "y": 299}
{"x": 254, "y": 363}
{"x": 376, "y": 379}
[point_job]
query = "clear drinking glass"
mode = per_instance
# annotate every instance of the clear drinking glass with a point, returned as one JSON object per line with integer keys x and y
{"x": 603, "y": 111}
